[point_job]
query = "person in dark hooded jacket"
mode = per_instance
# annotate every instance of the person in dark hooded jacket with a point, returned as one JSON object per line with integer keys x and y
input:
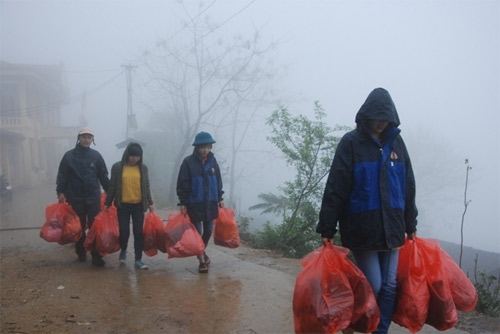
{"x": 370, "y": 192}
{"x": 130, "y": 191}
{"x": 82, "y": 172}
{"x": 199, "y": 188}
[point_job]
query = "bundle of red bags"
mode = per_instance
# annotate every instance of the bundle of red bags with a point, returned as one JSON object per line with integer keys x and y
{"x": 332, "y": 294}
{"x": 181, "y": 237}
{"x": 226, "y": 229}
{"x": 104, "y": 234}
{"x": 431, "y": 287}
{"x": 154, "y": 234}
{"x": 112, "y": 207}
{"x": 62, "y": 225}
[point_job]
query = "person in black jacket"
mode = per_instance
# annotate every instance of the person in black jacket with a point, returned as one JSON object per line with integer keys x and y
{"x": 199, "y": 188}
{"x": 130, "y": 191}
{"x": 370, "y": 192}
{"x": 82, "y": 172}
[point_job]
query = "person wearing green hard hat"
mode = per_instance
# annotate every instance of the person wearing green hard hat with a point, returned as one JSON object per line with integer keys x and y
{"x": 199, "y": 188}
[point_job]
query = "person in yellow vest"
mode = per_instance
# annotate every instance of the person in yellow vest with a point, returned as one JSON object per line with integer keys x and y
{"x": 129, "y": 190}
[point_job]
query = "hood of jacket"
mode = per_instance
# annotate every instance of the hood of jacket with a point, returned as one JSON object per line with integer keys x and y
{"x": 126, "y": 153}
{"x": 378, "y": 106}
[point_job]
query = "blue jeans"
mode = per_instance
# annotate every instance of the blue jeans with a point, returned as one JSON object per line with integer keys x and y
{"x": 380, "y": 269}
{"x": 125, "y": 212}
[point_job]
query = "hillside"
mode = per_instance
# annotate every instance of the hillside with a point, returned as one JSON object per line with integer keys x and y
{"x": 486, "y": 261}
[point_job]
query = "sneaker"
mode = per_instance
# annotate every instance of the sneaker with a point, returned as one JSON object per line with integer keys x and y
{"x": 82, "y": 257}
{"x": 98, "y": 261}
{"x": 140, "y": 265}
{"x": 123, "y": 255}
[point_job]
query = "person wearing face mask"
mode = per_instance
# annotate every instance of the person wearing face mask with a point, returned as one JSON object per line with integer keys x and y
{"x": 199, "y": 188}
{"x": 130, "y": 191}
{"x": 81, "y": 174}
{"x": 370, "y": 193}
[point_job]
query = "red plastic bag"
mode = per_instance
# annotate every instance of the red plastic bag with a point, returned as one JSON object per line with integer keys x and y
{"x": 154, "y": 234}
{"x": 72, "y": 230}
{"x": 365, "y": 314}
{"x": 111, "y": 208}
{"x": 181, "y": 237}
{"x": 51, "y": 230}
{"x": 442, "y": 313}
{"x": 412, "y": 295}
{"x": 90, "y": 240}
{"x": 323, "y": 300}
{"x": 226, "y": 230}
{"x": 104, "y": 234}
{"x": 61, "y": 225}
{"x": 464, "y": 293}
{"x": 418, "y": 260}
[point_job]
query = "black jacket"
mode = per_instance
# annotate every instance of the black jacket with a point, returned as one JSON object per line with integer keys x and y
{"x": 82, "y": 172}
{"x": 370, "y": 190}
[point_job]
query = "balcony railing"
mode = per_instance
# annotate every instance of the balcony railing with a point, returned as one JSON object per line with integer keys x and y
{"x": 29, "y": 128}
{"x": 7, "y": 122}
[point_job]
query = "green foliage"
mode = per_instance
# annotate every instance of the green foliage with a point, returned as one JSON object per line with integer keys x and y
{"x": 244, "y": 230}
{"x": 267, "y": 238}
{"x": 488, "y": 290}
{"x": 272, "y": 204}
{"x": 308, "y": 146}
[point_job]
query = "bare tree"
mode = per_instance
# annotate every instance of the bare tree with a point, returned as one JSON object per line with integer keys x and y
{"x": 204, "y": 81}
{"x": 466, "y": 204}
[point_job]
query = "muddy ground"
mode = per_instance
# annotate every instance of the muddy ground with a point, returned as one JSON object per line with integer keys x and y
{"x": 45, "y": 290}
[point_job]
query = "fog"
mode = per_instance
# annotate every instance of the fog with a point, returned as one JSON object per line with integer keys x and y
{"x": 438, "y": 59}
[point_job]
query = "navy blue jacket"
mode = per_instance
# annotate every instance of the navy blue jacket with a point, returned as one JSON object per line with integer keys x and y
{"x": 82, "y": 172}
{"x": 199, "y": 187}
{"x": 370, "y": 189}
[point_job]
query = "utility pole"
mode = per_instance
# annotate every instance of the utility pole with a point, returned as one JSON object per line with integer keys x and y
{"x": 131, "y": 125}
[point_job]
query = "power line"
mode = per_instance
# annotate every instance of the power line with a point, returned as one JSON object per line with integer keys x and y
{"x": 43, "y": 108}
{"x": 91, "y": 71}
{"x": 198, "y": 15}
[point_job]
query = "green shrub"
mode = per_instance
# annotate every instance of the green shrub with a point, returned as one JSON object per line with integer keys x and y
{"x": 488, "y": 290}
{"x": 244, "y": 230}
{"x": 297, "y": 246}
{"x": 268, "y": 238}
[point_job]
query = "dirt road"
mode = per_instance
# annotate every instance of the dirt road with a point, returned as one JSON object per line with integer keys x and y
{"x": 45, "y": 290}
{"x": 48, "y": 291}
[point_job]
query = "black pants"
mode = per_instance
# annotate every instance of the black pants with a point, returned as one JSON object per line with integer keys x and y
{"x": 134, "y": 211}
{"x": 86, "y": 213}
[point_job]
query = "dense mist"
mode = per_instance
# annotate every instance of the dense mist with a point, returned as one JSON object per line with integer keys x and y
{"x": 439, "y": 61}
